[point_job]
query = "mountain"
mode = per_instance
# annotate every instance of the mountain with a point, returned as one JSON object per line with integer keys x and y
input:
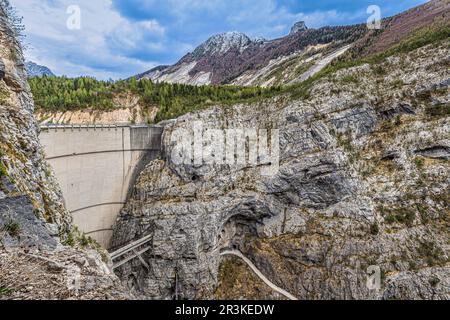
{"x": 357, "y": 205}
{"x": 207, "y": 63}
{"x": 234, "y": 58}
{"x": 298, "y": 27}
{"x": 35, "y": 70}
{"x": 433, "y": 14}
{"x": 222, "y": 43}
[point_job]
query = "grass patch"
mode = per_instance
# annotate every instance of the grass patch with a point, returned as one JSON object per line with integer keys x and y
{"x": 86, "y": 241}
{"x": 374, "y": 229}
{"x": 4, "y": 96}
{"x": 432, "y": 254}
{"x": 12, "y": 228}
{"x": 5, "y": 292}
{"x": 300, "y": 70}
{"x": 403, "y": 216}
{"x": 419, "y": 162}
{"x": 3, "y": 171}
{"x": 350, "y": 79}
{"x": 344, "y": 141}
{"x": 438, "y": 111}
{"x": 174, "y": 100}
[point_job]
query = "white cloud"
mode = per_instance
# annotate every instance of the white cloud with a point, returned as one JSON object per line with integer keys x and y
{"x": 84, "y": 51}
{"x": 131, "y": 37}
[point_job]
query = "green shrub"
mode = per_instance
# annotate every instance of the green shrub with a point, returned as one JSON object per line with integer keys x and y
{"x": 5, "y": 292}
{"x": 434, "y": 282}
{"x": 379, "y": 70}
{"x": 402, "y": 215}
{"x": 419, "y": 162}
{"x": 398, "y": 83}
{"x": 3, "y": 171}
{"x": 438, "y": 111}
{"x": 374, "y": 229}
{"x": 12, "y": 228}
{"x": 70, "y": 240}
{"x": 350, "y": 79}
{"x": 345, "y": 141}
{"x": 86, "y": 241}
{"x": 4, "y": 95}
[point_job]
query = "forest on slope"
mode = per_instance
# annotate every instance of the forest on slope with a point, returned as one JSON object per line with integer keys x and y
{"x": 67, "y": 94}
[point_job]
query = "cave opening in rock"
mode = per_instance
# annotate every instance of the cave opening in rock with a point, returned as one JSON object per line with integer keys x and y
{"x": 235, "y": 231}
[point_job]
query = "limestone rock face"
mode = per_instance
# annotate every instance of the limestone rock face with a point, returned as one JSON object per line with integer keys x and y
{"x": 362, "y": 185}
{"x": 24, "y": 172}
{"x": 298, "y": 27}
{"x": 34, "y": 223}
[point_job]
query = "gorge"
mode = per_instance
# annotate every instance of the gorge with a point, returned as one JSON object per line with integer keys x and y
{"x": 362, "y": 179}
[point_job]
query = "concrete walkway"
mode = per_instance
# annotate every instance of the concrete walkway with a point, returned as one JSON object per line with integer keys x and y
{"x": 258, "y": 273}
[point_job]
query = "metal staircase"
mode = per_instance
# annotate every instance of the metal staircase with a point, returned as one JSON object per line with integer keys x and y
{"x": 136, "y": 249}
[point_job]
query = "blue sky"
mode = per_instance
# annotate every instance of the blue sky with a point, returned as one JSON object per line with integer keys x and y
{"x": 119, "y": 38}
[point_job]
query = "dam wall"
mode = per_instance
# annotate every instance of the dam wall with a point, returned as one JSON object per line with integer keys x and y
{"x": 96, "y": 166}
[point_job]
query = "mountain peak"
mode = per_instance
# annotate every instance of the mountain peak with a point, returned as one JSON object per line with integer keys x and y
{"x": 298, "y": 27}
{"x": 222, "y": 43}
{"x": 35, "y": 70}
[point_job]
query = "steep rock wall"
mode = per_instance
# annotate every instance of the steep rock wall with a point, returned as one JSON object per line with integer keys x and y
{"x": 355, "y": 189}
{"x": 23, "y": 169}
{"x": 33, "y": 219}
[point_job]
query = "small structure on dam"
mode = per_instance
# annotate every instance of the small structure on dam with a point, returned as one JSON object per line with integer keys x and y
{"x": 96, "y": 166}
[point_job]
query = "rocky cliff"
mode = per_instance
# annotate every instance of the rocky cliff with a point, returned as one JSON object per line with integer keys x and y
{"x": 24, "y": 170}
{"x": 234, "y": 58}
{"x": 36, "y": 231}
{"x": 362, "y": 185}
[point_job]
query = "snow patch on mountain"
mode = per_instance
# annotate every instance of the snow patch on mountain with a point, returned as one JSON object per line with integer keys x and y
{"x": 35, "y": 70}
{"x": 224, "y": 42}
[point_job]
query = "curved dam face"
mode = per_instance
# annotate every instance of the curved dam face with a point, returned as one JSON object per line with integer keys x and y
{"x": 96, "y": 167}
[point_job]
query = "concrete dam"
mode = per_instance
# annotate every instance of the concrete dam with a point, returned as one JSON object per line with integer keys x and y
{"x": 96, "y": 166}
